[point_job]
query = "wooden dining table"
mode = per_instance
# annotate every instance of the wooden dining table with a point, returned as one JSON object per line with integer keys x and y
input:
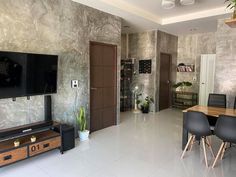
{"x": 208, "y": 111}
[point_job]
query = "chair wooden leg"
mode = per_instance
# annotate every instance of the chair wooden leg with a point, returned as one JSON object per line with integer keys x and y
{"x": 192, "y": 142}
{"x": 210, "y": 147}
{"x": 218, "y": 154}
{"x": 223, "y": 151}
{"x": 204, "y": 149}
{"x": 186, "y": 147}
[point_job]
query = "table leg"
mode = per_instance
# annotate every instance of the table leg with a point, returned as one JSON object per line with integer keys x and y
{"x": 185, "y": 132}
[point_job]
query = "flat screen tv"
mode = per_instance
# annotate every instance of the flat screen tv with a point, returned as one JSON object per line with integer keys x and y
{"x": 27, "y": 74}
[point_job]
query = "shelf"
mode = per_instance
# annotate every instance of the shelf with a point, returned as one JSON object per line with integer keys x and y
{"x": 231, "y": 23}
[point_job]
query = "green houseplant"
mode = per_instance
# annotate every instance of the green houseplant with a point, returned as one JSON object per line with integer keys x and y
{"x": 232, "y": 6}
{"x": 82, "y": 123}
{"x": 145, "y": 105}
{"x": 182, "y": 85}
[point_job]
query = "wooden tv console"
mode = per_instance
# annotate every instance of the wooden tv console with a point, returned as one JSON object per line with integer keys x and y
{"x": 46, "y": 140}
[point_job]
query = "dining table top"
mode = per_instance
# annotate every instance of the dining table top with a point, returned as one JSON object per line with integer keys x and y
{"x": 212, "y": 111}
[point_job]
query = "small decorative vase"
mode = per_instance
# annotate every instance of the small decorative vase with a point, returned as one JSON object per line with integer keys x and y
{"x": 16, "y": 143}
{"x": 33, "y": 139}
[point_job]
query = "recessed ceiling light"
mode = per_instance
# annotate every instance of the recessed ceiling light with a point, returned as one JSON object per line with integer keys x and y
{"x": 168, "y": 4}
{"x": 187, "y": 2}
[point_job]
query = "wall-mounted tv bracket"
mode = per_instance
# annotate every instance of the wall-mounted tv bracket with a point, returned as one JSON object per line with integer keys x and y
{"x": 28, "y": 97}
{"x": 13, "y": 99}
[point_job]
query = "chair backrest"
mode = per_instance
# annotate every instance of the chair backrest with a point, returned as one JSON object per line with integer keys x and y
{"x": 225, "y": 128}
{"x": 235, "y": 103}
{"x": 197, "y": 124}
{"x": 217, "y": 100}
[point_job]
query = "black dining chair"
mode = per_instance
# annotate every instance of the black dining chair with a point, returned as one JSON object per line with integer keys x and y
{"x": 225, "y": 129}
{"x": 217, "y": 100}
{"x": 198, "y": 126}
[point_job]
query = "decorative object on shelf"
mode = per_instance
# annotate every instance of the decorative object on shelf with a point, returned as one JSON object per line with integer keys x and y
{"x": 17, "y": 143}
{"x": 145, "y": 66}
{"x": 185, "y": 67}
{"x": 232, "y": 6}
{"x": 181, "y": 86}
{"x": 33, "y": 139}
{"x": 137, "y": 90}
{"x": 145, "y": 104}
{"x": 82, "y": 122}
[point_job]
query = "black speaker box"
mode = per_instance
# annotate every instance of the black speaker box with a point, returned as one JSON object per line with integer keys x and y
{"x": 67, "y": 136}
{"x": 48, "y": 108}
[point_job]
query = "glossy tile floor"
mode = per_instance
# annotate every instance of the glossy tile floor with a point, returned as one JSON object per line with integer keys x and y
{"x": 141, "y": 146}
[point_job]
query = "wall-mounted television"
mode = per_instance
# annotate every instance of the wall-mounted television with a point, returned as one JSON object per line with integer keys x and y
{"x": 27, "y": 74}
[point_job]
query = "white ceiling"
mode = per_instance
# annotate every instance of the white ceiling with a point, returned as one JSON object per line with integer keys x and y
{"x": 143, "y": 15}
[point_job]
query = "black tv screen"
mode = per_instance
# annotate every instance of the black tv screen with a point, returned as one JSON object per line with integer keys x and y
{"x": 26, "y": 74}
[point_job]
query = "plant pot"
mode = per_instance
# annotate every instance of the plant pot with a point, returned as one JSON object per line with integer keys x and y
{"x": 145, "y": 110}
{"x": 16, "y": 143}
{"x": 83, "y": 135}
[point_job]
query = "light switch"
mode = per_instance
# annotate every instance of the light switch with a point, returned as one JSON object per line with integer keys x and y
{"x": 74, "y": 84}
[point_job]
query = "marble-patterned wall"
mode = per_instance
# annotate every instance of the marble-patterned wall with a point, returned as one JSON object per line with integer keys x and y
{"x": 166, "y": 43}
{"x": 190, "y": 48}
{"x": 149, "y": 45}
{"x": 141, "y": 47}
{"x": 225, "y": 75}
{"x": 59, "y": 27}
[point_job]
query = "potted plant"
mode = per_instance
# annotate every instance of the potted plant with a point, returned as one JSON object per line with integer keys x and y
{"x": 17, "y": 143}
{"x": 33, "y": 139}
{"x": 82, "y": 123}
{"x": 145, "y": 105}
{"x": 232, "y": 5}
{"x": 182, "y": 85}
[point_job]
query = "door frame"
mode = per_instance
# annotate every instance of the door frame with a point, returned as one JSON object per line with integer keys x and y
{"x": 116, "y": 80}
{"x": 170, "y": 85}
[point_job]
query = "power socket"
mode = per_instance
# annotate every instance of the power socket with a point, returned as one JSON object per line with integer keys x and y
{"x": 74, "y": 83}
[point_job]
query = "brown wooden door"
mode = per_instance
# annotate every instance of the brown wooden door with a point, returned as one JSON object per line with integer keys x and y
{"x": 103, "y": 83}
{"x": 165, "y": 80}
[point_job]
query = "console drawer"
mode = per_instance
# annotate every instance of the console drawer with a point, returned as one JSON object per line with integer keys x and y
{"x": 44, "y": 146}
{"x": 13, "y": 156}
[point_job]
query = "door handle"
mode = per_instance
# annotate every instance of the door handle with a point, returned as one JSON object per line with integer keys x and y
{"x": 93, "y": 88}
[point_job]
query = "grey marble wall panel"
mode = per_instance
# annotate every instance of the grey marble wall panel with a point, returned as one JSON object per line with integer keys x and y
{"x": 166, "y": 43}
{"x": 190, "y": 48}
{"x": 225, "y": 77}
{"x": 59, "y": 27}
{"x": 141, "y": 47}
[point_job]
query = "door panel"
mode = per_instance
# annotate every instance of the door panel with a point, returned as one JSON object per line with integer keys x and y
{"x": 103, "y": 84}
{"x": 109, "y": 113}
{"x": 109, "y": 97}
{"x": 109, "y": 77}
{"x": 96, "y": 77}
{"x": 97, "y": 101}
{"x": 165, "y": 80}
{"x": 207, "y": 74}
{"x": 96, "y": 120}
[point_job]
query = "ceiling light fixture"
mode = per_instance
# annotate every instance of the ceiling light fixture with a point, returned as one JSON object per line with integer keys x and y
{"x": 168, "y": 4}
{"x": 187, "y": 2}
